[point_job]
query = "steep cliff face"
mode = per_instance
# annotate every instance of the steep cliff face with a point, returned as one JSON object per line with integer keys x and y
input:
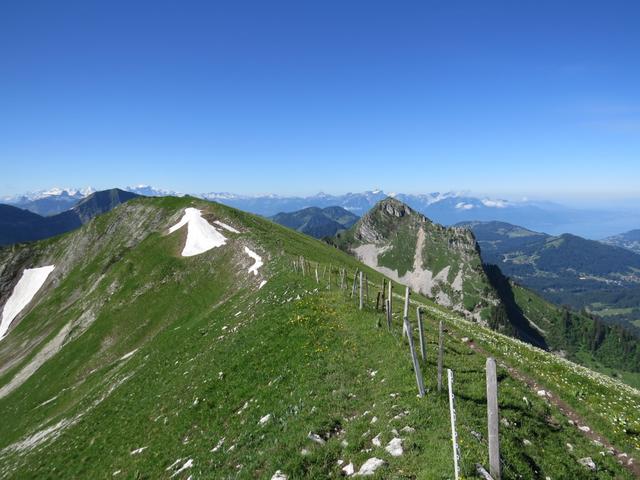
{"x": 440, "y": 262}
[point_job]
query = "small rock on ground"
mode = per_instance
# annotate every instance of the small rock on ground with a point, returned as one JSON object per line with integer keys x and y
{"x": 370, "y": 466}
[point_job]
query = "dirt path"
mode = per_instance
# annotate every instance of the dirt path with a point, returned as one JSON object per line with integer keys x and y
{"x": 623, "y": 458}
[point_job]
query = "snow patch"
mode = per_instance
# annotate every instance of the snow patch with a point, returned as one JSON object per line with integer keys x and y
{"x": 265, "y": 419}
{"x": 185, "y": 466}
{"x": 31, "y": 281}
{"x": 464, "y": 206}
{"x": 128, "y": 355}
{"x": 226, "y": 227}
{"x": 487, "y": 202}
{"x": 258, "y": 260}
{"x": 201, "y": 235}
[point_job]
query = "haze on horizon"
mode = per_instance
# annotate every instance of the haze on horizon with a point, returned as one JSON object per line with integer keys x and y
{"x": 499, "y": 99}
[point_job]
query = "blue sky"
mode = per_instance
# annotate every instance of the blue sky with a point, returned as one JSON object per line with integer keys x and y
{"x": 536, "y": 99}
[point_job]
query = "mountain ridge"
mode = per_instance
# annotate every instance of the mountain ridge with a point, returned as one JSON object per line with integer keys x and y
{"x": 317, "y": 222}
{"x": 174, "y": 365}
{"x": 17, "y": 225}
{"x": 566, "y": 269}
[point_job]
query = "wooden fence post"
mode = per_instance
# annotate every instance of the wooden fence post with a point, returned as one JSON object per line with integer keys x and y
{"x": 390, "y": 296}
{"x": 454, "y": 434}
{"x": 366, "y": 288}
{"x": 378, "y": 301}
{"x": 405, "y": 314}
{"x": 302, "y": 263}
{"x": 423, "y": 345}
{"x": 493, "y": 419}
{"x": 361, "y": 290}
{"x": 440, "y": 354}
{"x": 414, "y": 357}
{"x": 388, "y": 308}
{"x": 355, "y": 279}
{"x": 341, "y": 279}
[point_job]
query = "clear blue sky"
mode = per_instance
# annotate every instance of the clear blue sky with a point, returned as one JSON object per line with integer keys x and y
{"x": 510, "y": 98}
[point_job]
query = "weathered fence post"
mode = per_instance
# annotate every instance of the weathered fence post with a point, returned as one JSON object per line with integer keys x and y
{"x": 378, "y": 301}
{"x": 414, "y": 357}
{"x": 440, "y": 354}
{"x": 361, "y": 290}
{"x": 454, "y": 434}
{"x": 493, "y": 419}
{"x": 317, "y": 279}
{"x": 390, "y": 296}
{"x": 302, "y": 263}
{"x": 423, "y": 345}
{"x": 366, "y": 288}
{"x": 405, "y": 314}
{"x": 388, "y": 308}
{"x": 355, "y": 279}
{"x": 341, "y": 279}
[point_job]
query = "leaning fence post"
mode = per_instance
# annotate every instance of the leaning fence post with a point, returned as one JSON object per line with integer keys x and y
{"x": 414, "y": 358}
{"x": 361, "y": 288}
{"x": 493, "y": 420}
{"x": 406, "y": 311}
{"x": 440, "y": 354}
{"x": 454, "y": 434}
{"x": 423, "y": 345}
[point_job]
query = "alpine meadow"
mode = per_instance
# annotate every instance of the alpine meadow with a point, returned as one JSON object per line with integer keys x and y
{"x": 319, "y": 240}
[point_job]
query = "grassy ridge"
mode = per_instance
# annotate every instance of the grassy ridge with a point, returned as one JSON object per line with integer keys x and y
{"x": 208, "y": 343}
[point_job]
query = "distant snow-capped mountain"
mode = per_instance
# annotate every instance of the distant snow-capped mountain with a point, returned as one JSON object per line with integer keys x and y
{"x": 447, "y": 208}
{"x": 149, "y": 191}
{"x": 49, "y": 202}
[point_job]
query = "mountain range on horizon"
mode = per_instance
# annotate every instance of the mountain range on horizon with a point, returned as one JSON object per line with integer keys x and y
{"x": 446, "y": 208}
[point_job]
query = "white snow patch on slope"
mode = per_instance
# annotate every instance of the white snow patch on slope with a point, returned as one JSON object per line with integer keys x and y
{"x": 258, "y": 260}
{"x": 464, "y": 206}
{"x": 187, "y": 464}
{"x": 226, "y": 227}
{"x": 31, "y": 281}
{"x": 201, "y": 235}
{"x": 128, "y": 355}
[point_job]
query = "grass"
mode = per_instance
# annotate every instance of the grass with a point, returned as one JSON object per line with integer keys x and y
{"x": 208, "y": 343}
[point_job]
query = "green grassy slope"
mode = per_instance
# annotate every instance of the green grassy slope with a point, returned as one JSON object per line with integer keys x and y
{"x": 213, "y": 355}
